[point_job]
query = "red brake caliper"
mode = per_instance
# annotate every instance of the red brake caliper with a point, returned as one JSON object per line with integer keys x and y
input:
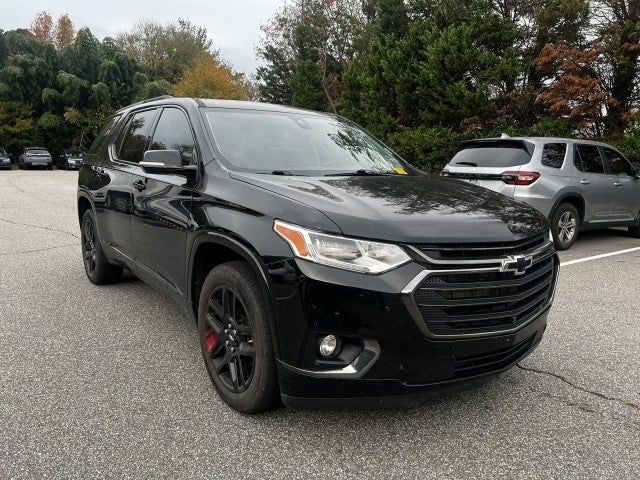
{"x": 210, "y": 339}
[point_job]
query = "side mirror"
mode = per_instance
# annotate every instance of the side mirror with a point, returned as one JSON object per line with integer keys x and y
{"x": 165, "y": 162}
{"x": 637, "y": 174}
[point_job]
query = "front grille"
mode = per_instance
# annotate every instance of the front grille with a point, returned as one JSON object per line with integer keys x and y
{"x": 481, "y": 250}
{"x": 481, "y": 301}
{"x": 492, "y": 361}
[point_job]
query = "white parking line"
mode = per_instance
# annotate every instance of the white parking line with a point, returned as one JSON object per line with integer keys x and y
{"x": 596, "y": 257}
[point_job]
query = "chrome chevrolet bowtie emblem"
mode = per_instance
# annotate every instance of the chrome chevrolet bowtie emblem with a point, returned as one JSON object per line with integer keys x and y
{"x": 517, "y": 264}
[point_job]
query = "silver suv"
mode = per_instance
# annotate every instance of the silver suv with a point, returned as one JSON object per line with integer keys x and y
{"x": 577, "y": 184}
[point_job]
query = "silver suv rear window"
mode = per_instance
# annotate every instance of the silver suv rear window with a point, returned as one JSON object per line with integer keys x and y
{"x": 499, "y": 154}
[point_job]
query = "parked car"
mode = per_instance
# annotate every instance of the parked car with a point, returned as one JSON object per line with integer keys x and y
{"x": 32, "y": 157}
{"x": 576, "y": 184}
{"x": 70, "y": 159}
{"x": 5, "y": 160}
{"x": 322, "y": 269}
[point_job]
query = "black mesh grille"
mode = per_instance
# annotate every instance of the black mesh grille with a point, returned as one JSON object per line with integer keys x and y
{"x": 481, "y": 251}
{"x": 478, "y": 302}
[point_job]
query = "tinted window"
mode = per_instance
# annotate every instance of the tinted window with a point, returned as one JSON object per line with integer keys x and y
{"x": 618, "y": 164}
{"x": 553, "y": 154}
{"x": 135, "y": 136}
{"x": 173, "y": 133}
{"x": 589, "y": 159}
{"x": 492, "y": 154}
{"x": 306, "y": 143}
{"x": 105, "y": 134}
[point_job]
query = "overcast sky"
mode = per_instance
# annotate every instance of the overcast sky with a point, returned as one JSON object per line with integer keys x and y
{"x": 234, "y": 25}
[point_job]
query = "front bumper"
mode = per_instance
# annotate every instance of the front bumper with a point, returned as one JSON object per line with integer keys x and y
{"x": 399, "y": 364}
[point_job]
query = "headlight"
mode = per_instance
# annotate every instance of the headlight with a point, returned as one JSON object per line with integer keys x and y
{"x": 340, "y": 252}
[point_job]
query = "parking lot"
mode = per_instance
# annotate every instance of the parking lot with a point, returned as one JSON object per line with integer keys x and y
{"x": 108, "y": 381}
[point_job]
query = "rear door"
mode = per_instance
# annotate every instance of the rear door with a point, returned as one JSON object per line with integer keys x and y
{"x": 161, "y": 208}
{"x": 626, "y": 191}
{"x": 596, "y": 186}
{"x": 483, "y": 162}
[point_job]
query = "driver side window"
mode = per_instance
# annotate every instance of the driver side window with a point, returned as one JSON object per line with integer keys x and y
{"x": 618, "y": 164}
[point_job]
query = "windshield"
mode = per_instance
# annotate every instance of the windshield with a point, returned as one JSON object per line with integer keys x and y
{"x": 499, "y": 154}
{"x": 3, "y": 152}
{"x": 297, "y": 143}
{"x": 74, "y": 153}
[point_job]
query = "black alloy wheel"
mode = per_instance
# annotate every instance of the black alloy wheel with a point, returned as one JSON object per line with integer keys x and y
{"x": 89, "y": 253}
{"x": 234, "y": 325}
{"x": 229, "y": 339}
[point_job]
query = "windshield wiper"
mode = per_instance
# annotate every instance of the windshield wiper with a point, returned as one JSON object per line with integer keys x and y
{"x": 282, "y": 172}
{"x": 471, "y": 164}
{"x": 360, "y": 173}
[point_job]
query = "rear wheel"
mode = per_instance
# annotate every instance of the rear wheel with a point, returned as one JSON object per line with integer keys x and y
{"x": 565, "y": 224}
{"x": 96, "y": 266}
{"x": 634, "y": 230}
{"x": 235, "y": 338}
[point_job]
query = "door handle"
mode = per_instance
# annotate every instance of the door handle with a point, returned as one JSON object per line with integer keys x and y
{"x": 585, "y": 182}
{"x": 618, "y": 184}
{"x": 139, "y": 185}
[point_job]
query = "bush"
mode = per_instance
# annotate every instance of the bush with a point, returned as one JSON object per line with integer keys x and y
{"x": 428, "y": 148}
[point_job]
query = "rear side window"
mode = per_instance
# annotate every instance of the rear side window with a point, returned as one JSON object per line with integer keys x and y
{"x": 588, "y": 159}
{"x": 105, "y": 134}
{"x": 174, "y": 133}
{"x": 618, "y": 164}
{"x": 499, "y": 154}
{"x": 553, "y": 154}
{"x": 136, "y": 135}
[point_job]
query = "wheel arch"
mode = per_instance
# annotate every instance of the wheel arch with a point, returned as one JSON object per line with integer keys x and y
{"x": 575, "y": 199}
{"x": 84, "y": 204}
{"x": 210, "y": 249}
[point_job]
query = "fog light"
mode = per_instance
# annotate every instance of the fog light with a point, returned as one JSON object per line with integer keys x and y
{"x": 329, "y": 346}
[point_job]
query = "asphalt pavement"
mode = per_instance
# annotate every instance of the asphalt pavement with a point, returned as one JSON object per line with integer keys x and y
{"x": 107, "y": 382}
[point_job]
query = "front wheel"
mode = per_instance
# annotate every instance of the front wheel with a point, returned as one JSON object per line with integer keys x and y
{"x": 565, "y": 224}
{"x": 235, "y": 338}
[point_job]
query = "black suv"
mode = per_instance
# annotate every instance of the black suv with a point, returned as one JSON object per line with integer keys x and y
{"x": 322, "y": 269}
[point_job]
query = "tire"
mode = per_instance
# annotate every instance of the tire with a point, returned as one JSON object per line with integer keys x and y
{"x": 634, "y": 230}
{"x": 565, "y": 225}
{"x": 99, "y": 271}
{"x": 225, "y": 350}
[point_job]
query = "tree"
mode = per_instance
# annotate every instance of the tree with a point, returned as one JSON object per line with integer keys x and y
{"x": 576, "y": 90}
{"x": 305, "y": 49}
{"x": 166, "y": 50}
{"x": 208, "y": 78}
{"x": 42, "y": 26}
{"x": 64, "y": 32}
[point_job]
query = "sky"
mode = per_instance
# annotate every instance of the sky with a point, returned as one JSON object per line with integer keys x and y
{"x": 233, "y": 25}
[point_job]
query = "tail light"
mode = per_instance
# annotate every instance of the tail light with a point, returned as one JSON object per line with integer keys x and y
{"x": 519, "y": 178}
{"x": 445, "y": 172}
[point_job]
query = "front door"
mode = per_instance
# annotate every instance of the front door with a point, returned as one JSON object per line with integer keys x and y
{"x": 161, "y": 208}
{"x": 595, "y": 186}
{"x": 626, "y": 186}
{"x": 113, "y": 199}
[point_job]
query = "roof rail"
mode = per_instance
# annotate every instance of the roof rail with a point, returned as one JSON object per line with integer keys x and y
{"x": 161, "y": 97}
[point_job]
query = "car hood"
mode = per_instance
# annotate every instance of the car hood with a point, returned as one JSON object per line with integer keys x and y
{"x": 410, "y": 209}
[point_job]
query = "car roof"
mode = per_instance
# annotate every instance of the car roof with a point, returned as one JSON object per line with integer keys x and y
{"x": 217, "y": 103}
{"x": 541, "y": 140}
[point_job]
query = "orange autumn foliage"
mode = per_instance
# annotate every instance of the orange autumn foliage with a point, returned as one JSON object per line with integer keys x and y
{"x": 208, "y": 78}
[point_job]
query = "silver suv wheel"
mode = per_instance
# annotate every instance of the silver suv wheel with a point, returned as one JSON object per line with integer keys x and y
{"x": 567, "y": 227}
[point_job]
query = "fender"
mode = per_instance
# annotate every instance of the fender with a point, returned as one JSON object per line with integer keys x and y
{"x": 247, "y": 254}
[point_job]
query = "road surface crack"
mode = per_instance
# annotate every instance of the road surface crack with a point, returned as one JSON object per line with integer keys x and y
{"x": 38, "y": 250}
{"x": 39, "y": 226}
{"x": 581, "y": 388}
